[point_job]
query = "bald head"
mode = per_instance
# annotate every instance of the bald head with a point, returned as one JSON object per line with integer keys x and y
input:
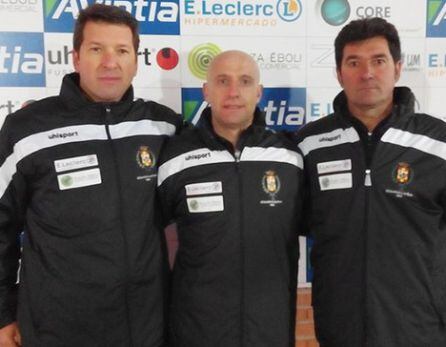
{"x": 233, "y": 58}
{"x": 233, "y": 91}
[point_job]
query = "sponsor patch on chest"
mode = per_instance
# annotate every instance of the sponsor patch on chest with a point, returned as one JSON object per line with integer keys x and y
{"x": 336, "y": 181}
{"x": 204, "y": 188}
{"x": 205, "y": 204}
{"x": 334, "y": 166}
{"x": 79, "y": 179}
{"x": 75, "y": 163}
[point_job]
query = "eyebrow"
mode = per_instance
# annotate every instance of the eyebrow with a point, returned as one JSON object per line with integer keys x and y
{"x": 226, "y": 75}
{"x": 355, "y": 56}
{"x": 98, "y": 43}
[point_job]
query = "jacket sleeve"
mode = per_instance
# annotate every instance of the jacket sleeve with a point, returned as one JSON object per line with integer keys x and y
{"x": 304, "y": 229}
{"x": 165, "y": 189}
{"x": 12, "y": 197}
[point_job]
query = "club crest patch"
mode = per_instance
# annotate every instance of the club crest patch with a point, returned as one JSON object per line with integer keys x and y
{"x": 271, "y": 186}
{"x": 402, "y": 173}
{"x": 145, "y": 158}
{"x": 271, "y": 183}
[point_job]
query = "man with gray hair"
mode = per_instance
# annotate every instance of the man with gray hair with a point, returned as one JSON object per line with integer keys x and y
{"x": 376, "y": 188}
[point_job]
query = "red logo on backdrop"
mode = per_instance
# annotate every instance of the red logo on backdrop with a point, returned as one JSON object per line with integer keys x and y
{"x": 167, "y": 58}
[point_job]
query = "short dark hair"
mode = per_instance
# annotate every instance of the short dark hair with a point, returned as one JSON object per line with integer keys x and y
{"x": 363, "y": 29}
{"x": 107, "y": 14}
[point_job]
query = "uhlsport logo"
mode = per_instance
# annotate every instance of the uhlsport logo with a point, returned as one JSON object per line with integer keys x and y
{"x": 22, "y": 62}
{"x": 436, "y": 18}
{"x": 284, "y": 107}
{"x": 200, "y": 57}
{"x": 154, "y": 16}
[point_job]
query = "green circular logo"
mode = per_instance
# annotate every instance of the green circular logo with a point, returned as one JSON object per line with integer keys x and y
{"x": 194, "y": 205}
{"x": 200, "y": 57}
{"x": 66, "y": 181}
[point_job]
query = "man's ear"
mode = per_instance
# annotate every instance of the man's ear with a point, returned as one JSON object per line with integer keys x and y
{"x": 76, "y": 60}
{"x": 205, "y": 92}
{"x": 339, "y": 75}
{"x": 398, "y": 67}
{"x": 259, "y": 92}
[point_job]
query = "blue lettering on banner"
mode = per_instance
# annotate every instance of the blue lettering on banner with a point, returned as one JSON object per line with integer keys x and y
{"x": 284, "y": 107}
{"x": 154, "y": 16}
{"x": 22, "y": 62}
{"x": 435, "y": 60}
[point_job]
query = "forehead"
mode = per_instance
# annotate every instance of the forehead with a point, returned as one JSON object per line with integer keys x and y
{"x": 366, "y": 48}
{"x": 234, "y": 66}
{"x": 107, "y": 32}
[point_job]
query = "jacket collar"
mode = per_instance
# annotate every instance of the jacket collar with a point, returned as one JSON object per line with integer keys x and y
{"x": 403, "y": 106}
{"x": 74, "y": 98}
{"x": 205, "y": 127}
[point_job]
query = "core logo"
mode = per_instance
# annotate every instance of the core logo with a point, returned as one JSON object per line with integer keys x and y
{"x": 22, "y": 60}
{"x": 154, "y": 16}
{"x": 337, "y": 12}
{"x": 436, "y": 18}
{"x": 284, "y": 107}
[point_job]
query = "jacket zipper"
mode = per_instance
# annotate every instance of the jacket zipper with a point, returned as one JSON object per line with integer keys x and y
{"x": 237, "y": 154}
{"x": 367, "y": 185}
{"x": 121, "y": 219}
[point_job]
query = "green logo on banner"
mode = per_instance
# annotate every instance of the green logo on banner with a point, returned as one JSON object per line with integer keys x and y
{"x": 200, "y": 57}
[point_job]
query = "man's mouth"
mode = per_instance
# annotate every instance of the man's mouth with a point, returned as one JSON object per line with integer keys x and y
{"x": 233, "y": 107}
{"x": 109, "y": 78}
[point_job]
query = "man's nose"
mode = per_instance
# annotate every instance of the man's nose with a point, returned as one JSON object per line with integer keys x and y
{"x": 109, "y": 59}
{"x": 234, "y": 89}
{"x": 367, "y": 71}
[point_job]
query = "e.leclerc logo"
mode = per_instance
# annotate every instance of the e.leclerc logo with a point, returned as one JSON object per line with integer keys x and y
{"x": 159, "y": 17}
{"x": 284, "y": 107}
{"x": 436, "y": 18}
{"x": 22, "y": 62}
{"x": 286, "y": 10}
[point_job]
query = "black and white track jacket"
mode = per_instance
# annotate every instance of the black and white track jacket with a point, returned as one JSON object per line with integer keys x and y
{"x": 234, "y": 281}
{"x": 79, "y": 178}
{"x": 379, "y": 228}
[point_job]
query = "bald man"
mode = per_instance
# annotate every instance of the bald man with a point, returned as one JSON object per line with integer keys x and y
{"x": 233, "y": 188}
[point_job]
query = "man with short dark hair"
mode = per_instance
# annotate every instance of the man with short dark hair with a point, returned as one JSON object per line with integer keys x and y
{"x": 376, "y": 203}
{"x": 233, "y": 187}
{"x": 78, "y": 175}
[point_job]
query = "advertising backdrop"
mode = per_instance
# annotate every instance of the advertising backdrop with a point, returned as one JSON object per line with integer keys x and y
{"x": 291, "y": 40}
